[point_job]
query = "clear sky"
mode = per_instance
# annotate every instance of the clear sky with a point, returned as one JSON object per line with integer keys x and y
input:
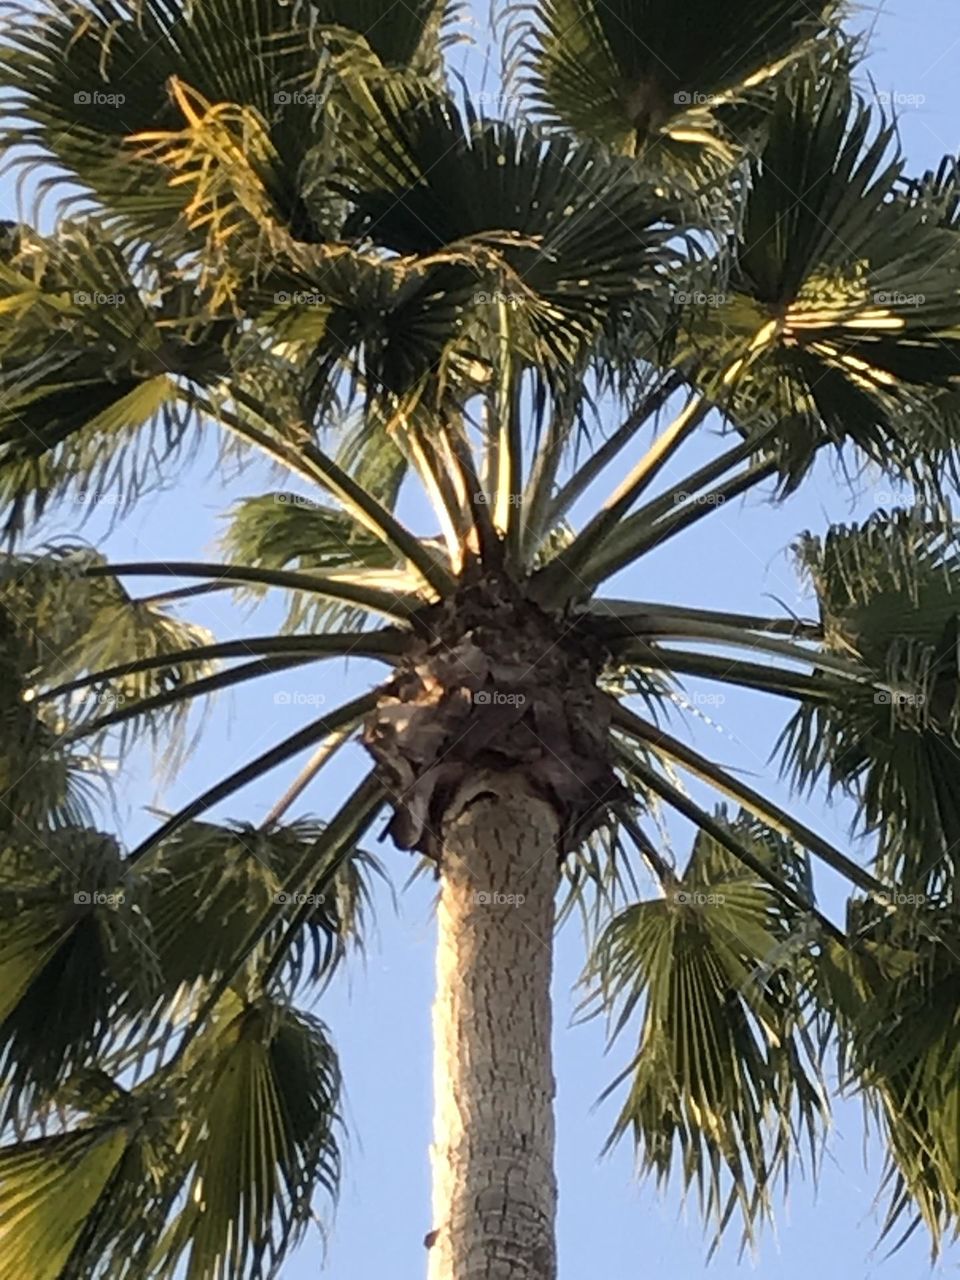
{"x": 610, "y": 1227}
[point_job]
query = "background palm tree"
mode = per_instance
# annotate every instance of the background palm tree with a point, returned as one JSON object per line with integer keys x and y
{"x": 286, "y": 222}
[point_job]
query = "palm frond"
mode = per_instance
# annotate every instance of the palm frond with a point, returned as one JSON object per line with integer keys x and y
{"x": 220, "y": 1182}
{"x": 650, "y": 79}
{"x": 73, "y": 943}
{"x": 95, "y": 348}
{"x": 566, "y": 242}
{"x": 207, "y": 884}
{"x": 69, "y": 626}
{"x": 261, "y": 1142}
{"x": 726, "y": 1082}
{"x": 285, "y": 530}
{"x": 82, "y": 79}
{"x": 889, "y": 593}
{"x": 820, "y": 324}
{"x": 892, "y": 999}
{"x": 65, "y": 1200}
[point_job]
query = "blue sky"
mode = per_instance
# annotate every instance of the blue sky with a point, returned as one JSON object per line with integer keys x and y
{"x": 378, "y": 1010}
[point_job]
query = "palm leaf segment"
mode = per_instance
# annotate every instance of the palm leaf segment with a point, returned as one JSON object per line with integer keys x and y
{"x": 151, "y": 1186}
{"x": 890, "y": 593}
{"x": 657, "y": 79}
{"x": 85, "y": 81}
{"x": 93, "y": 356}
{"x": 893, "y": 996}
{"x": 728, "y": 1060}
{"x": 141, "y": 1176}
{"x": 837, "y": 322}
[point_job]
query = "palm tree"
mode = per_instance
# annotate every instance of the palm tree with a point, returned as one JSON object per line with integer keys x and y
{"x": 289, "y": 224}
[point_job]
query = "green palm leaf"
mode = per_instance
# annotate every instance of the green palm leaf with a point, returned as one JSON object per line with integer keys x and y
{"x": 285, "y": 530}
{"x": 59, "y": 1190}
{"x": 634, "y": 72}
{"x": 220, "y": 1185}
{"x": 93, "y": 353}
{"x": 238, "y": 874}
{"x": 889, "y": 592}
{"x": 726, "y": 1064}
{"x": 261, "y": 1141}
{"x": 567, "y": 241}
{"x": 821, "y": 324}
{"x": 893, "y": 998}
{"x": 72, "y": 946}
{"x": 83, "y": 81}
{"x": 67, "y": 626}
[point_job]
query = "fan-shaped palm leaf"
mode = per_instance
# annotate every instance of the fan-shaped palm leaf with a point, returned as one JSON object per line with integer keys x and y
{"x": 72, "y": 945}
{"x": 84, "y": 81}
{"x": 726, "y": 1063}
{"x": 635, "y": 72}
{"x": 889, "y": 592}
{"x": 837, "y": 319}
{"x": 893, "y": 999}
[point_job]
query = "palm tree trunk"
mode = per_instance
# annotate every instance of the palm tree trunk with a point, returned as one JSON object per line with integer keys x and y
{"x": 494, "y": 1188}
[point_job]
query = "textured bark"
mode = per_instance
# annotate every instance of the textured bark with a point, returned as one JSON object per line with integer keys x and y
{"x": 496, "y": 684}
{"x": 494, "y": 1187}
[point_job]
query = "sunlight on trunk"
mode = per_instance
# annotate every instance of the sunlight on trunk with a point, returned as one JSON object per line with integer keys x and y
{"x": 494, "y": 1189}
